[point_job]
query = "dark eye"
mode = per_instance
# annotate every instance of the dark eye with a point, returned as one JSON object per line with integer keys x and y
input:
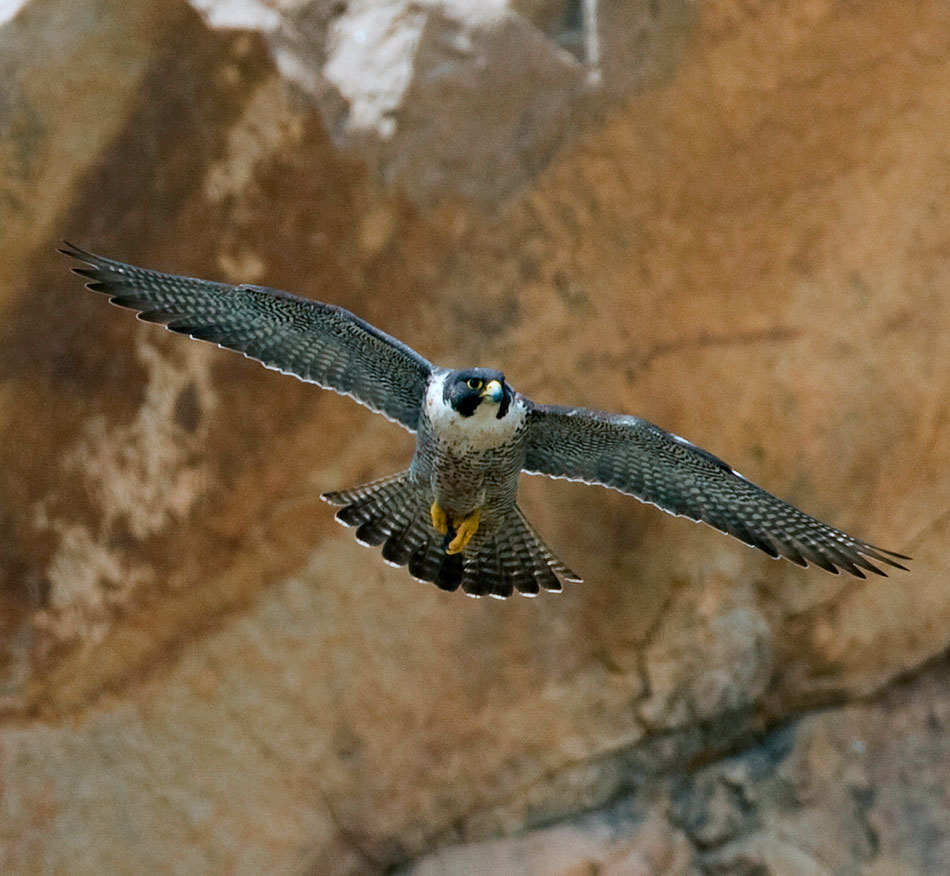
{"x": 473, "y": 383}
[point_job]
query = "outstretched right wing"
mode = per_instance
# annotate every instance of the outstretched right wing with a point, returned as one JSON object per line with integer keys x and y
{"x": 635, "y": 457}
{"x": 318, "y": 343}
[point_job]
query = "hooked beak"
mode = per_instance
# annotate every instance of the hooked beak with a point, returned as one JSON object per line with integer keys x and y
{"x": 493, "y": 391}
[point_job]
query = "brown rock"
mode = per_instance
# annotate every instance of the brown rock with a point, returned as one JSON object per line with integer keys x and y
{"x": 406, "y": 86}
{"x": 710, "y": 655}
{"x": 860, "y": 789}
{"x": 843, "y": 791}
{"x": 624, "y": 846}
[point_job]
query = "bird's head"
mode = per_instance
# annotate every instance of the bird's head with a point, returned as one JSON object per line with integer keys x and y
{"x": 467, "y": 391}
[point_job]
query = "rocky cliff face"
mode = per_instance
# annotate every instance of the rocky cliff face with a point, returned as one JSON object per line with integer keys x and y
{"x": 730, "y": 218}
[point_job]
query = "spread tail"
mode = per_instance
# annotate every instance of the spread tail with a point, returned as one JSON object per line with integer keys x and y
{"x": 508, "y": 555}
{"x": 504, "y": 555}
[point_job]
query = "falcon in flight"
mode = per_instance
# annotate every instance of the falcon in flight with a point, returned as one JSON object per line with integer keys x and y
{"x": 452, "y": 516}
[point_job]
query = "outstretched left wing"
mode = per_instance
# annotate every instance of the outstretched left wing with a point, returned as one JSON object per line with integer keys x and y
{"x": 635, "y": 457}
{"x": 317, "y": 342}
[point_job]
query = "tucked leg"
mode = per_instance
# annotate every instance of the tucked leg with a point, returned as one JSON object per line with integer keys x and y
{"x": 440, "y": 520}
{"x": 465, "y": 528}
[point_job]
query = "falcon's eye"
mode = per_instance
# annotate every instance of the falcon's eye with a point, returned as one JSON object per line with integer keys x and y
{"x": 473, "y": 383}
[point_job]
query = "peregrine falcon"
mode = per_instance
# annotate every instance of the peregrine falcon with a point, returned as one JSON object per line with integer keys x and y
{"x": 452, "y": 516}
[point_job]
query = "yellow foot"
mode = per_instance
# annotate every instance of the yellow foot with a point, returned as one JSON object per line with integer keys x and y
{"x": 465, "y": 528}
{"x": 440, "y": 520}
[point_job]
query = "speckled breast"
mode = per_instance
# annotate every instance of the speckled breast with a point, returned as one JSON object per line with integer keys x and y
{"x": 468, "y": 467}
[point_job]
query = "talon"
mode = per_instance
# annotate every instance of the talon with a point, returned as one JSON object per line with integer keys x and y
{"x": 440, "y": 520}
{"x": 465, "y": 528}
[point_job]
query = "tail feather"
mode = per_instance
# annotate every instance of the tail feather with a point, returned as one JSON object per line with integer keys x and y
{"x": 548, "y": 558}
{"x": 504, "y": 556}
{"x": 502, "y": 586}
{"x": 513, "y": 569}
{"x": 547, "y": 570}
{"x": 450, "y": 575}
{"x": 399, "y": 547}
{"x": 498, "y": 584}
{"x": 483, "y": 574}
{"x": 473, "y": 580}
{"x": 373, "y": 533}
{"x": 427, "y": 560}
{"x": 545, "y": 578}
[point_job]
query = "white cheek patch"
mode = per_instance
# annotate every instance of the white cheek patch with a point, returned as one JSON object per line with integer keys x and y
{"x": 436, "y": 408}
{"x": 481, "y": 431}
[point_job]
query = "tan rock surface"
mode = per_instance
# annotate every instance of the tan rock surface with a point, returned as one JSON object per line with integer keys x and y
{"x": 407, "y": 85}
{"x": 201, "y": 672}
{"x": 858, "y": 790}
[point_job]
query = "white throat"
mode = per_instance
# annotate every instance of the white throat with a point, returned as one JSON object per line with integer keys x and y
{"x": 481, "y": 431}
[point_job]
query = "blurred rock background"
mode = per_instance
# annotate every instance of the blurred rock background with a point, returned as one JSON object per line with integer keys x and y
{"x": 730, "y": 217}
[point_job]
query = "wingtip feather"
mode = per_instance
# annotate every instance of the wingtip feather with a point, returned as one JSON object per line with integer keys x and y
{"x": 70, "y": 250}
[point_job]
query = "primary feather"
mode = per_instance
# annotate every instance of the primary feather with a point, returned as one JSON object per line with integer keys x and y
{"x": 317, "y": 342}
{"x": 635, "y": 457}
